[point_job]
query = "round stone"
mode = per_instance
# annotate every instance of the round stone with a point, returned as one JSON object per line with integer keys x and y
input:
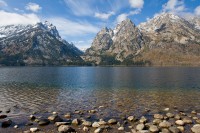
{"x": 157, "y": 121}
{"x": 76, "y": 122}
{"x": 187, "y": 120}
{"x": 121, "y": 128}
{"x": 95, "y": 125}
{"x": 98, "y": 130}
{"x": 181, "y": 128}
{"x": 165, "y": 124}
{"x": 170, "y": 115}
{"x": 131, "y": 118}
{"x": 60, "y": 123}
{"x": 112, "y": 121}
{"x": 6, "y": 123}
{"x": 196, "y": 128}
{"x": 174, "y": 130}
{"x": 54, "y": 118}
{"x": 65, "y": 129}
{"x": 180, "y": 122}
{"x": 143, "y": 120}
{"x": 34, "y": 129}
{"x": 85, "y": 129}
{"x": 87, "y": 123}
{"x": 158, "y": 116}
{"x": 140, "y": 127}
{"x": 153, "y": 128}
{"x": 43, "y": 122}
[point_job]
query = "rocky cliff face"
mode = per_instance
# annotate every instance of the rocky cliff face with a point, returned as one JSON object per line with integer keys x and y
{"x": 123, "y": 42}
{"x": 166, "y": 39}
{"x": 38, "y": 44}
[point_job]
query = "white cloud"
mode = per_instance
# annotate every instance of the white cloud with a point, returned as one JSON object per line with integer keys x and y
{"x": 8, "y": 18}
{"x": 174, "y": 6}
{"x": 197, "y": 11}
{"x": 136, "y": 3}
{"x": 124, "y": 16}
{"x": 33, "y": 7}
{"x": 80, "y": 7}
{"x": 3, "y": 3}
{"x": 104, "y": 16}
{"x": 70, "y": 28}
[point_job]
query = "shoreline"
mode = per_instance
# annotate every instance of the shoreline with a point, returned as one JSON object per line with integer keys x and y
{"x": 165, "y": 120}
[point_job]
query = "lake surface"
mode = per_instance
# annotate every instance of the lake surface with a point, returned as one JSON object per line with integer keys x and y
{"x": 121, "y": 90}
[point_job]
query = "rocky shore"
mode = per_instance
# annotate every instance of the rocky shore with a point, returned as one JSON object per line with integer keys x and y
{"x": 166, "y": 121}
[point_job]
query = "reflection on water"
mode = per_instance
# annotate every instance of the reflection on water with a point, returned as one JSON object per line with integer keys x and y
{"x": 121, "y": 90}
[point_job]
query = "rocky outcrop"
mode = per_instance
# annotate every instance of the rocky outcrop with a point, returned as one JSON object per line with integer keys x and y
{"x": 38, "y": 44}
{"x": 166, "y": 39}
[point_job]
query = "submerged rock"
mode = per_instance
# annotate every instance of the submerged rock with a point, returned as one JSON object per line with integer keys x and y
{"x": 34, "y": 129}
{"x": 66, "y": 129}
{"x": 196, "y": 128}
{"x": 165, "y": 124}
{"x": 158, "y": 116}
{"x": 3, "y": 116}
{"x": 43, "y": 122}
{"x": 87, "y": 123}
{"x": 54, "y": 118}
{"x": 6, "y": 123}
{"x": 140, "y": 127}
{"x": 112, "y": 121}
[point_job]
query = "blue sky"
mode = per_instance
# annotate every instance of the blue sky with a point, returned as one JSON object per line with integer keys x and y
{"x": 78, "y": 21}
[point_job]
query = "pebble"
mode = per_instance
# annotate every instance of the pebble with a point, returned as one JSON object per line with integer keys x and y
{"x": 140, "y": 127}
{"x": 170, "y": 115}
{"x": 87, "y": 123}
{"x": 6, "y": 123}
{"x": 166, "y": 109}
{"x": 43, "y": 122}
{"x": 165, "y": 124}
{"x": 76, "y": 122}
{"x": 85, "y": 129}
{"x": 16, "y": 126}
{"x": 121, "y": 128}
{"x": 34, "y": 129}
{"x": 187, "y": 120}
{"x": 112, "y": 121}
{"x": 131, "y": 118}
{"x": 102, "y": 122}
{"x": 54, "y": 118}
{"x": 165, "y": 130}
{"x": 158, "y": 116}
{"x": 174, "y": 130}
{"x": 143, "y": 120}
{"x": 157, "y": 121}
{"x": 95, "y": 125}
{"x": 65, "y": 129}
{"x": 3, "y": 116}
{"x": 180, "y": 122}
{"x": 98, "y": 130}
{"x": 54, "y": 113}
{"x": 198, "y": 121}
{"x": 32, "y": 117}
{"x": 196, "y": 128}
{"x": 153, "y": 129}
{"x": 181, "y": 128}
{"x": 68, "y": 115}
{"x": 177, "y": 117}
{"x": 60, "y": 123}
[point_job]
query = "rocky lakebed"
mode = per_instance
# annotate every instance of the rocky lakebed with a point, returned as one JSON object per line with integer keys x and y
{"x": 167, "y": 120}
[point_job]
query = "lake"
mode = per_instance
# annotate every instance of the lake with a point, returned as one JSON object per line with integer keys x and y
{"x": 119, "y": 90}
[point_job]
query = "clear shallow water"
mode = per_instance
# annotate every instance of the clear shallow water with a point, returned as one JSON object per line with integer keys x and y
{"x": 121, "y": 90}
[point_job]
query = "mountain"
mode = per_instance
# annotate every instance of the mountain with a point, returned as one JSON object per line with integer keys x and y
{"x": 166, "y": 39}
{"x": 125, "y": 41}
{"x": 38, "y": 44}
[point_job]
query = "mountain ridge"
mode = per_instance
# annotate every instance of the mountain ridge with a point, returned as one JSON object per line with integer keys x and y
{"x": 165, "y": 34}
{"x": 38, "y": 44}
